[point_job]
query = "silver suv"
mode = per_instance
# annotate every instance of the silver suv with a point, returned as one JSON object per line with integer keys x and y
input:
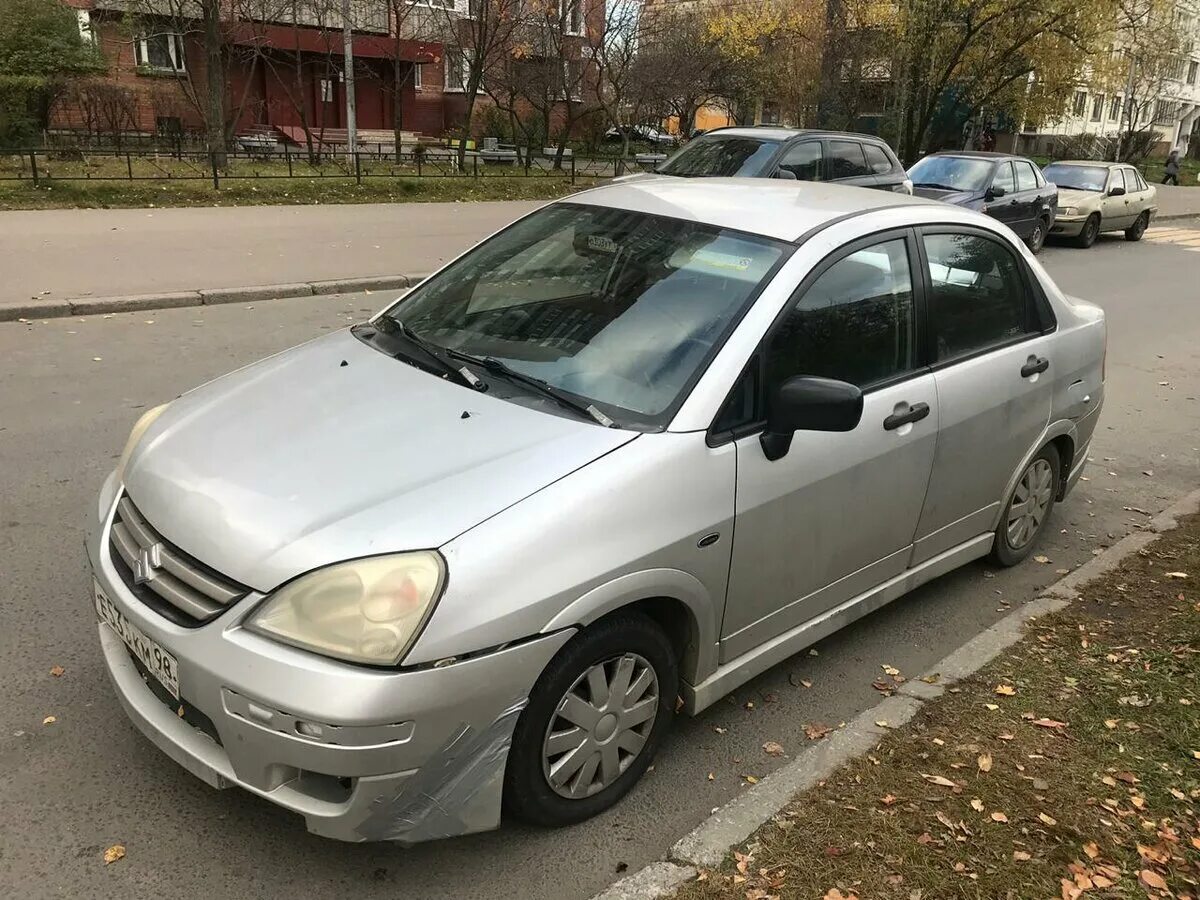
{"x": 640, "y": 445}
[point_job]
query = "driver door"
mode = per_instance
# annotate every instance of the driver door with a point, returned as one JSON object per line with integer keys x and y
{"x": 836, "y": 515}
{"x": 1008, "y": 208}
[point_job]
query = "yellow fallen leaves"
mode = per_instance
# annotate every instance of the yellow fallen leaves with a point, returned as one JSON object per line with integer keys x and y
{"x": 1150, "y": 878}
{"x": 1005, "y": 690}
{"x": 1047, "y": 820}
{"x": 773, "y": 748}
{"x": 977, "y": 805}
{"x": 816, "y": 730}
{"x": 984, "y": 762}
{"x": 750, "y": 779}
{"x": 938, "y": 780}
{"x": 113, "y": 853}
{"x": 57, "y": 671}
{"x": 1092, "y": 850}
{"x": 1158, "y": 855}
{"x": 835, "y": 894}
{"x": 1021, "y": 856}
{"x": 1000, "y": 817}
{"x": 49, "y": 720}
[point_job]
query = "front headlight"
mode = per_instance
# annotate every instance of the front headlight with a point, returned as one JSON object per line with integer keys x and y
{"x": 1067, "y": 211}
{"x": 366, "y": 611}
{"x": 140, "y": 427}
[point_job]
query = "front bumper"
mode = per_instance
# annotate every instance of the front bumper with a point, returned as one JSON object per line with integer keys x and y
{"x": 1068, "y": 226}
{"x": 402, "y": 755}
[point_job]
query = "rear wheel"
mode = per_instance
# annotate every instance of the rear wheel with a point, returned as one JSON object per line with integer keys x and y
{"x": 1090, "y": 231}
{"x": 1135, "y": 231}
{"x": 1037, "y": 237}
{"x": 1028, "y": 509}
{"x": 594, "y": 721}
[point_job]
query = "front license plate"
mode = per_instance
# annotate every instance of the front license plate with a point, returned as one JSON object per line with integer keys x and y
{"x": 162, "y": 665}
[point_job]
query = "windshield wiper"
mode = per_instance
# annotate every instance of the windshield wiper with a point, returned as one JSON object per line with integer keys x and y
{"x": 536, "y": 384}
{"x": 461, "y": 374}
{"x": 935, "y": 186}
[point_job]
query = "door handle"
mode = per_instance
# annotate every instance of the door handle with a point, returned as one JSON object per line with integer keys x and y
{"x": 1035, "y": 365}
{"x": 915, "y": 413}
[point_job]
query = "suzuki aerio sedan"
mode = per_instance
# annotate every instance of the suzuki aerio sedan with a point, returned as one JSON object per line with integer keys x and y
{"x": 640, "y": 445}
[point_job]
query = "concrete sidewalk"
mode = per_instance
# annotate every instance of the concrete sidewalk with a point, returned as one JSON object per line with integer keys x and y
{"x": 55, "y": 254}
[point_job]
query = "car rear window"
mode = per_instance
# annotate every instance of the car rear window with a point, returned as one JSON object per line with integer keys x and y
{"x": 877, "y": 159}
{"x": 716, "y": 155}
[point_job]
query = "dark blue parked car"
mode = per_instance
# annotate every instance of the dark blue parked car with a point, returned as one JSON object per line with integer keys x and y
{"x": 1006, "y": 187}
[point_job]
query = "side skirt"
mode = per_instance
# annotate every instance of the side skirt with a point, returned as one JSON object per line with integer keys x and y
{"x": 754, "y": 662}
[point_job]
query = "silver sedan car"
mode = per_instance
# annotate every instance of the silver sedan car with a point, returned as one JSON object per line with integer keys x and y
{"x": 621, "y": 457}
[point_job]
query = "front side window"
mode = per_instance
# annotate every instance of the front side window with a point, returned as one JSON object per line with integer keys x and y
{"x": 803, "y": 160}
{"x": 846, "y": 160}
{"x": 977, "y": 296}
{"x": 1004, "y": 178}
{"x": 854, "y": 323}
{"x": 1118, "y": 180}
{"x": 1026, "y": 179}
{"x": 620, "y": 308}
{"x": 718, "y": 155}
{"x": 952, "y": 173}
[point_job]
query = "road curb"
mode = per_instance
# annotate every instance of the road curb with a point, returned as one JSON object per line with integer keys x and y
{"x": 709, "y": 843}
{"x": 11, "y": 311}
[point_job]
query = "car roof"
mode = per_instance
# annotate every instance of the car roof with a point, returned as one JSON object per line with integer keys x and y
{"x": 783, "y": 133}
{"x": 784, "y": 210}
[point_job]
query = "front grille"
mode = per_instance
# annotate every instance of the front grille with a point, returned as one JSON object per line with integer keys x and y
{"x": 162, "y": 576}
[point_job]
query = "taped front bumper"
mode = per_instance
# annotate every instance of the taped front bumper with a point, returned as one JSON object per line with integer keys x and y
{"x": 362, "y": 754}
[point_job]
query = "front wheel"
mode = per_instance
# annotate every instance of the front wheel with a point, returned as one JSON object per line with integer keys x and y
{"x": 1028, "y": 509}
{"x": 1089, "y": 232}
{"x": 594, "y": 721}
{"x": 1135, "y": 231}
{"x": 1037, "y": 237}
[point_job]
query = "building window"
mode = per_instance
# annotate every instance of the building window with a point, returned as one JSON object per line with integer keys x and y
{"x": 326, "y": 90}
{"x": 1175, "y": 69}
{"x": 458, "y": 69}
{"x": 84, "y": 17}
{"x": 1166, "y": 112}
{"x": 1192, "y": 66}
{"x": 416, "y": 76}
{"x": 1080, "y": 103}
{"x": 1114, "y": 109}
{"x": 162, "y": 51}
{"x": 1097, "y": 107}
{"x": 571, "y": 12}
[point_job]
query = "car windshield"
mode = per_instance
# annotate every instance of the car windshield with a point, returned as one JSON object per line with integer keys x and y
{"x": 1077, "y": 178}
{"x": 716, "y": 155}
{"x": 619, "y": 309}
{"x": 952, "y": 173}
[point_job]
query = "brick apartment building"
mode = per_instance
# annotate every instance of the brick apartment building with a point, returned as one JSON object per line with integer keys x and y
{"x": 284, "y": 65}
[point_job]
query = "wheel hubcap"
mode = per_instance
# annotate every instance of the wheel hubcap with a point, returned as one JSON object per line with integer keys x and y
{"x": 600, "y": 726}
{"x": 1036, "y": 240}
{"x": 1029, "y": 503}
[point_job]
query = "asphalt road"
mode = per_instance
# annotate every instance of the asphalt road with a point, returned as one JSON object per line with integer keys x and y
{"x": 69, "y": 391}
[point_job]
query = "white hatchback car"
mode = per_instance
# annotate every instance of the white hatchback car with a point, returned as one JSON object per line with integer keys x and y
{"x": 642, "y": 444}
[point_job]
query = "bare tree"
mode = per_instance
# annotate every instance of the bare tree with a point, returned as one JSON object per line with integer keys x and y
{"x": 624, "y": 51}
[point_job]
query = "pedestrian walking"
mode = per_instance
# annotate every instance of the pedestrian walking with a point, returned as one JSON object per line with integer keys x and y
{"x": 1172, "y": 169}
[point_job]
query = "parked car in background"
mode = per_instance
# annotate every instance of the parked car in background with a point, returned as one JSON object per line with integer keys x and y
{"x": 641, "y": 445}
{"x": 646, "y": 133}
{"x": 1008, "y": 188}
{"x": 793, "y": 154}
{"x": 1100, "y": 196}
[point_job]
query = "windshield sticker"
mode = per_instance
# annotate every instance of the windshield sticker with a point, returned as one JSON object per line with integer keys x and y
{"x": 722, "y": 260}
{"x": 601, "y": 243}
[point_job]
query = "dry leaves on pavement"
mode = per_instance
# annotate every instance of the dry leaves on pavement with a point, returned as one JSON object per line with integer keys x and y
{"x": 113, "y": 853}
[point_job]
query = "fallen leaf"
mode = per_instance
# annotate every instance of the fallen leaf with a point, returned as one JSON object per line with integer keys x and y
{"x": 1177, "y": 794}
{"x": 977, "y": 805}
{"x": 1101, "y": 882}
{"x": 1005, "y": 690}
{"x": 882, "y": 723}
{"x": 835, "y": 894}
{"x": 57, "y": 671}
{"x": 1153, "y": 854}
{"x": 712, "y": 776}
{"x": 938, "y": 780}
{"x": 1150, "y": 878}
{"x": 887, "y": 799}
{"x": 1041, "y": 559}
{"x": 1040, "y": 784}
{"x": 113, "y": 853}
{"x": 991, "y": 706}
{"x": 816, "y": 730}
{"x": 946, "y": 820}
{"x": 49, "y": 720}
{"x": 1005, "y": 736}
{"x": 984, "y": 762}
{"x": 1179, "y": 575}
{"x": 805, "y": 682}
{"x": 925, "y": 838}
{"x": 1127, "y": 777}
{"x": 932, "y": 679}
{"x": 883, "y": 687}
{"x": 999, "y": 817}
{"x": 1110, "y": 724}
{"x": 97, "y": 358}
{"x": 1048, "y": 820}
{"x": 719, "y": 730}
{"x": 1021, "y": 856}
{"x": 1049, "y": 723}
{"x": 751, "y": 779}
{"x": 771, "y": 748}
{"x": 890, "y": 670}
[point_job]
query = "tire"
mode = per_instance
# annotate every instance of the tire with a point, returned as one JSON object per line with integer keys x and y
{"x": 1090, "y": 231}
{"x": 1041, "y": 478}
{"x": 1037, "y": 237}
{"x": 1135, "y": 231}
{"x": 621, "y": 645}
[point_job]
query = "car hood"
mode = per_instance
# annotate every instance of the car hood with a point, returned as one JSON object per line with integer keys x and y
{"x": 1079, "y": 199}
{"x": 333, "y": 450}
{"x": 958, "y": 198}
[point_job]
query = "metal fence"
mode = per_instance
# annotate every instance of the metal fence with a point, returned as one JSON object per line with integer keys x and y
{"x": 73, "y": 164}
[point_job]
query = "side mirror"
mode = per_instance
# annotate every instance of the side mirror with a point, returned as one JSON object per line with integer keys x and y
{"x": 1117, "y": 192}
{"x": 785, "y": 174}
{"x": 806, "y": 403}
{"x": 994, "y": 191}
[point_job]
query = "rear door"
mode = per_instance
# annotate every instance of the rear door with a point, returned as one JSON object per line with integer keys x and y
{"x": 990, "y": 342}
{"x": 1006, "y": 208}
{"x": 846, "y": 163}
{"x": 889, "y": 174}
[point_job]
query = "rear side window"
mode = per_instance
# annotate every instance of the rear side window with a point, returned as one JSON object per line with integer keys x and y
{"x": 977, "y": 296}
{"x": 877, "y": 159}
{"x": 846, "y": 160}
{"x": 1004, "y": 178}
{"x": 854, "y": 323}
{"x": 803, "y": 160}
{"x": 1026, "y": 179}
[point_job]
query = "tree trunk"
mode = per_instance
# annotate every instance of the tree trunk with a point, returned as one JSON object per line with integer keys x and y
{"x": 214, "y": 124}
{"x": 397, "y": 88}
